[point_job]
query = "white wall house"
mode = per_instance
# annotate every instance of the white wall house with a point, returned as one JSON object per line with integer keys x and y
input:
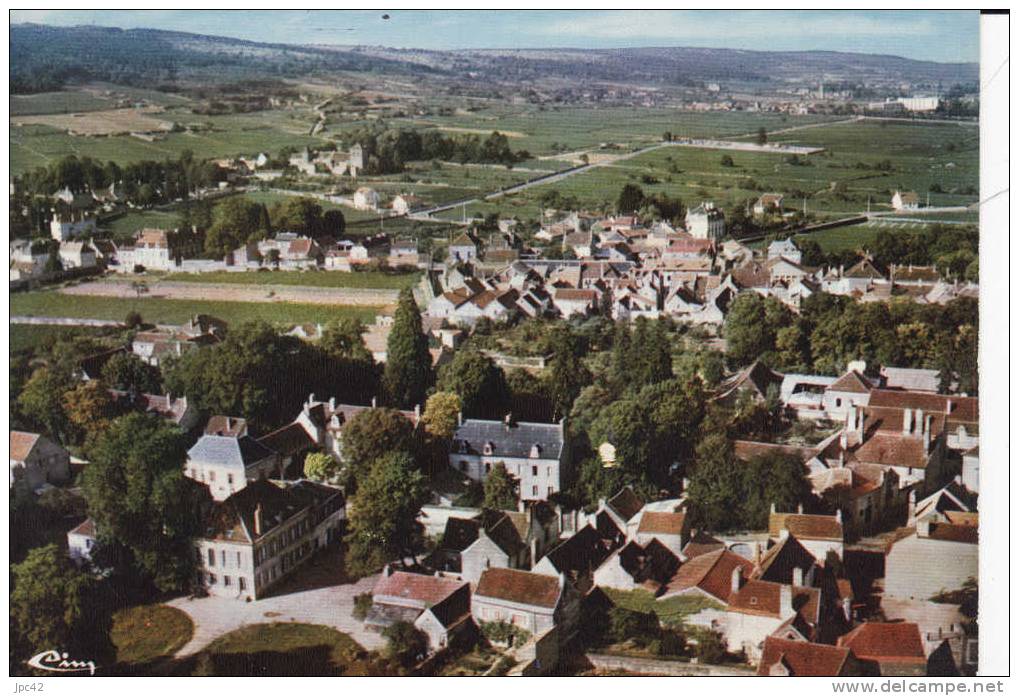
{"x": 705, "y": 221}
{"x": 227, "y": 463}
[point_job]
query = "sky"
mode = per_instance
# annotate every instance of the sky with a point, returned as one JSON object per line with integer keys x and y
{"x": 945, "y": 36}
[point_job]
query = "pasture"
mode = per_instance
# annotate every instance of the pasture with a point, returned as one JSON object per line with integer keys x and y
{"x": 156, "y": 310}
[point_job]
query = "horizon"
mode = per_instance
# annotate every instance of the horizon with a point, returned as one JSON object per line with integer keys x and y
{"x": 933, "y": 36}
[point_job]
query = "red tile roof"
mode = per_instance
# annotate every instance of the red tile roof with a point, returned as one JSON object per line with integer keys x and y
{"x": 802, "y": 659}
{"x": 425, "y": 589}
{"x": 519, "y": 586}
{"x": 893, "y": 642}
{"x": 763, "y": 598}
{"x": 852, "y": 382}
{"x": 22, "y": 444}
{"x": 662, "y": 523}
{"x": 890, "y": 449}
{"x": 710, "y": 572}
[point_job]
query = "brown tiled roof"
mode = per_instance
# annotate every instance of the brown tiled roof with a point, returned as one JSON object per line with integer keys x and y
{"x": 662, "y": 523}
{"x": 700, "y": 544}
{"x": 894, "y": 642}
{"x": 289, "y": 440}
{"x": 225, "y": 425}
{"x": 575, "y": 295}
{"x": 625, "y": 503}
{"x": 86, "y": 528}
{"x": 958, "y": 409}
{"x": 429, "y": 590}
{"x": 961, "y": 533}
{"x": 711, "y": 572}
{"x": 763, "y": 598}
{"x": 519, "y": 586}
{"x": 889, "y": 449}
{"x": 852, "y": 382}
{"x": 805, "y": 526}
{"x": 802, "y": 659}
{"x": 22, "y": 444}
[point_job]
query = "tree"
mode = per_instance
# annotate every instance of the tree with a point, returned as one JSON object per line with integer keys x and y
{"x": 727, "y": 161}
{"x": 89, "y": 408}
{"x": 626, "y": 425}
{"x": 127, "y": 372}
{"x": 746, "y": 330}
{"x": 566, "y": 375}
{"x": 140, "y": 499}
{"x": 55, "y": 606}
{"x": 667, "y": 137}
{"x": 333, "y": 222}
{"x": 344, "y": 338}
{"x": 383, "y": 518}
{"x": 53, "y": 262}
{"x": 235, "y": 221}
{"x": 716, "y": 486}
{"x": 442, "y": 411}
{"x": 370, "y": 435}
{"x": 773, "y": 479}
{"x": 762, "y": 136}
{"x": 408, "y": 373}
{"x": 41, "y": 401}
{"x": 405, "y": 643}
{"x": 500, "y": 489}
{"x": 301, "y": 216}
{"x": 319, "y": 466}
{"x": 479, "y": 383}
{"x": 631, "y": 197}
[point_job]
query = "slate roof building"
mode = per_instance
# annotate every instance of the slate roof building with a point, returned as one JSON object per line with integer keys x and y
{"x": 534, "y": 453}
{"x": 226, "y": 463}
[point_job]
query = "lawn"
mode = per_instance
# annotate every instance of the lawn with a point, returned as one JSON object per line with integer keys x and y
{"x": 373, "y": 280}
{"x": 125, "y": 226}
{"x": 163, "y": 311}
{"x": 31, "y": 336}
{"x": 285, "y": 649}
{"x": 670, "y": 611}
{"x": 145, "y": 633}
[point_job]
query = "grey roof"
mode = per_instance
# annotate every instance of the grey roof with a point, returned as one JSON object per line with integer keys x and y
{"x": 230, "y": 451}
{"x": 513, "y": 440}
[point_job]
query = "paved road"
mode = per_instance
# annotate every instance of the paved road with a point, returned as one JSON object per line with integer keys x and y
{"x": 311, "y": 596}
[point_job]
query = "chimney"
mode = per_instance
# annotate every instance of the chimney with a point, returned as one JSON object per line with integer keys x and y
{"x": 923, "y": 527}
{"x": 757, "y": 554}
{"x": 927, "y": 433}
{"x": 773, "y": 508}
{"x": 907, "y": 421}
{"x": 797, "y": 577}
{"x": 258, "y": 519}
{"x": 417, "y": 413}
{"x": 911, "y": 504}
{"x": 521, "y": 506}
{"x": 374, "y": 401}
{"x": 332, "y": 403}
{"x": 507, "y": 421}
{"x": 737, "y": 579}
{"x": 459, "y": 418}
{"x": 918, "y": 423}
{"x": 799, "y": 509}
{"x": 786, "y": 600}
{"x": 838, "y": 515}
{"x": 847, "y": 608}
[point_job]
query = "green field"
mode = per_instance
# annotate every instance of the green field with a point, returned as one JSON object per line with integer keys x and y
{"x": 670, "y": 611}
{"x": 126, "y": 225}
{"x": 921, "y": 155}
{"x": 28, "y": 336}
{"x": 162, "y": 311}
{"x": 57, "y": 103}
{"x": 855, "y": 237}
{"x": 149, "y": 632}
{"x": 373, "y": 280}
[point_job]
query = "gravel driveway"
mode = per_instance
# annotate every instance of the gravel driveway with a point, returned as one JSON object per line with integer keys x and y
{"x": 313, "y": 595}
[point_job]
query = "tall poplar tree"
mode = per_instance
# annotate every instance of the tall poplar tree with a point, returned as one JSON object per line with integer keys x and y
{"x": 408, "y": 373}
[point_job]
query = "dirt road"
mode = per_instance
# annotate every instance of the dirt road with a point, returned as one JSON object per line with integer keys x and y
{"x": 228, "y": 292}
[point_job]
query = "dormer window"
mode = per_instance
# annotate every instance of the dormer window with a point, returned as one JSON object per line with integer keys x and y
{"x": 535, "y": 451}
{"x": 488, "y": 448}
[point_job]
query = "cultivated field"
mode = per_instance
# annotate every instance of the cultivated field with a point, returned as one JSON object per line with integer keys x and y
{"x": 371, "y": 280}
{"x": 100, "y": 123}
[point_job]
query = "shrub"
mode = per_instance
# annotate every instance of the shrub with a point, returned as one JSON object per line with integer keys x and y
{"x": 710, "y": 648}
{"x": 625, "y": 624}
{"x": 503, "y": 632}
{"x": 362, "y": 603}
{"x": 404, "y": 643}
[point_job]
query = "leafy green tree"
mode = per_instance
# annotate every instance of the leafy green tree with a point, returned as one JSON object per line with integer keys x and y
{"x": 715, "y": 490}
{"x": 128, "y": 372}
{"x": 627, "y": 624}
{"x": 408, "y": 373}
{"x": 370, "y": 435}
{"x": 140, "y": 499}
{"x": 383, "y": 519}
{"x": 235, "y": 221}
{"x": 89, "y": 408}
{"x": 56, "y": 606}
{"x": 301, "y": 216}
{"x": 631, "y": 198}
{"x": 566, "y": 374}
{"x": 500, "y": 489}
{"x": 41, "y": 401}
{"x": 319, "y": 466}
{"x": 773, "y": 479}
{"x": 405, "y": 643}
{"x": 626, "y": 424}
{"x": 762, "y": 136}
{"x": 479, "y": 383}
{"x": 345, "y": 338}
{"x": 746, "y": 331}
{"x": 53, "y": 262}
{"x": 441, "y": 413}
